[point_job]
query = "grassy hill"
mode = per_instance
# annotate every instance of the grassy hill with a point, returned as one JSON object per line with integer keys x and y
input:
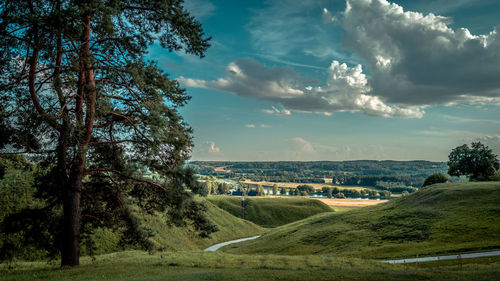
{"x": 273, "y": 211}
{"x": 171, "y": 238}
{"x": 438, "y": 219}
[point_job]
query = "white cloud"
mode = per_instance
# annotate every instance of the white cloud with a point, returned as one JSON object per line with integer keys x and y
{"x": 249, "y": 126}
{"x": 346, "y": 89}
{"x": 264, "y": 126}
{"x": 213, "y": 149}
{"x": 302, "y": 146}
{"x": 277, "y": 111}
{"x": 417, "y": 59}
{"x": 327, "y": 16}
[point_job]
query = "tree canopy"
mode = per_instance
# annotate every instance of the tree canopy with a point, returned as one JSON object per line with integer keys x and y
{"x": 79, "y": 97}
{"x": 477, "y": 162}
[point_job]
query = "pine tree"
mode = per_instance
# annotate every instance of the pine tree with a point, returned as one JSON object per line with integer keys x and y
{"x": 79, "y": 94}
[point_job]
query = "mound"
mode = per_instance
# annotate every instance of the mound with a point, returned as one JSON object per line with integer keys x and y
{"x": 171, "y": 238}
{"x": 438, "y": 219}
{"x": 271, "y": 212}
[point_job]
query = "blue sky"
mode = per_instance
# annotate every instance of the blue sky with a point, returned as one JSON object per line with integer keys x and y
{"x": 337, "y": 80}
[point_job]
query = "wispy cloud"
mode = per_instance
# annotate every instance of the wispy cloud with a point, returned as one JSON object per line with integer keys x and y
{"x": 200, "y": 9}
{"x": 277, "y": 111}
{"x": 250, "y": 126}
{"x": 470, "y": 120}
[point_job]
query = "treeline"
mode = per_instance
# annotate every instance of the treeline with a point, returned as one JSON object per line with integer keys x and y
{"x": 384, "y": 175}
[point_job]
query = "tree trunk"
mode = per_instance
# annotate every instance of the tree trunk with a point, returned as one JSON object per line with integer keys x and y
{"x": 70, "y": 252}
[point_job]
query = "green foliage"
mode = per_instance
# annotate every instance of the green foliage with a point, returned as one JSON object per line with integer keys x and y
{"x": 271, "y": 212}
{"x": 439, "y": 219}
{"x": 435, "y": 178}
{"x": 477, "y": 162}
{"x": 77, "y": 92}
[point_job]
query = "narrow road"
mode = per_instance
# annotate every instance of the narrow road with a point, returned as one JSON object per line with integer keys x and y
{"x": 447, "y": 257}
{"x": 216, "y": 247}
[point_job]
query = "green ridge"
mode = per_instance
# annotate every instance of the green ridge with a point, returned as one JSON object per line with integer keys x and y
{"x": 171, "y": 238}
{"x": 438, "y": 219}
{"x": 271, "y": 212}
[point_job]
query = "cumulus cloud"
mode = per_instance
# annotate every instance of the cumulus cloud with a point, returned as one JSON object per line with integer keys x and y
{"x": 213, "y": 149}
{"x": 265, "y": 126}
{"x": 417, "y": 59}
{"x": 346, "y": 89}
{"x": 249, "y": 126}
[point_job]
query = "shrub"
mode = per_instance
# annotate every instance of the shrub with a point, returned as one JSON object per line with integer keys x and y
{"x": 435, "y": 178}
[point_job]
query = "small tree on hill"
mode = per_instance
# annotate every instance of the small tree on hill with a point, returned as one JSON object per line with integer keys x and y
{"x": 435, "y": 178}
{"x": 477, "y": 162}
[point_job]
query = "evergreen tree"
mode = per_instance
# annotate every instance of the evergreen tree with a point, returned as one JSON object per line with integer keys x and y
{"x": 275, "y": 189}
{"x": 283, "y": 191}
{"x": 78, "y": 92}
{"x": 260, "y": 190}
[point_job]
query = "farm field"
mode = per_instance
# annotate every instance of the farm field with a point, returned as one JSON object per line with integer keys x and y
{"x": 317, "y": 186}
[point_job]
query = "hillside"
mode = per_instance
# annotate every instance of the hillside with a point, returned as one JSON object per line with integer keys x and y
{"x": 171, "y": 238}
{"x": 441, "y": 218}
{"x": 271, "y": 212}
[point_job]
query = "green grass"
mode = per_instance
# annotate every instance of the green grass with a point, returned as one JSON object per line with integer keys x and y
{"x": 439, "y": 219}
{"x": 137, "y": 265}
{"x": 171, "y": 238}
{"x": 272, "y": 211}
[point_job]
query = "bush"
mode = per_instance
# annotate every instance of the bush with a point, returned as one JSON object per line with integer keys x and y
{"x": 435, "y": 178}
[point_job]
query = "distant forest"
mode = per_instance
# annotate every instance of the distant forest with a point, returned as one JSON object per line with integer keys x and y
{"x": 391, "y": 175}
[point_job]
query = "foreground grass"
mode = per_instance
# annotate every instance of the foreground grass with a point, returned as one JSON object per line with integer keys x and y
{"x": 439, "y": 219}
{"x": 137, "y": 265}
{"x": 272, "y": 211}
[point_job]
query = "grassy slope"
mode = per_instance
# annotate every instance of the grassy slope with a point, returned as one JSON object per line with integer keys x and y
{"x": 136, "y": 265}
{"x": 438, "y": 219}
{"x": 273, "y": 211}
{"x": 170, "y": 238}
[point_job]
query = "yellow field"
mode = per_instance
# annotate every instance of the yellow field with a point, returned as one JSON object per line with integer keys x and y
{"x": 349, "y": 203}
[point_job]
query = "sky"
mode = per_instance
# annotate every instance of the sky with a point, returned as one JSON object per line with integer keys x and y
{"x": 341, "y": 80}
